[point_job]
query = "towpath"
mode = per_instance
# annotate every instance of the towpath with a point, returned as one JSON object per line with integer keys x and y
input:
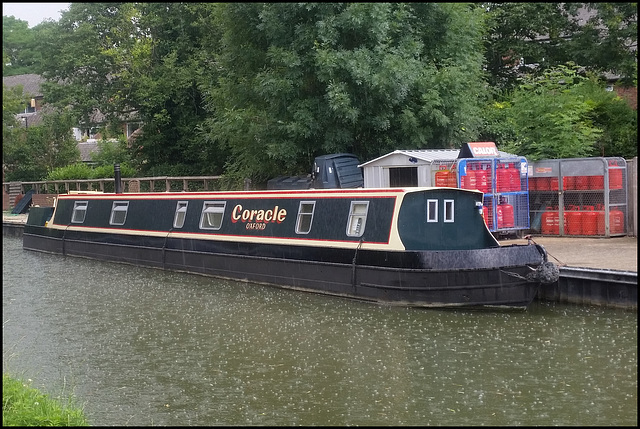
{"x": 615, "y": 253}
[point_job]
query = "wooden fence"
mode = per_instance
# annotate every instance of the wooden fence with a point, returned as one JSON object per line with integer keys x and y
{"x": 12, "y": 190}
{"x": 137, "y": 184}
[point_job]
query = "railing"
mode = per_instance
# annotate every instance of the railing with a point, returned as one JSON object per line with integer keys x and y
{"x": 138, "y": 184}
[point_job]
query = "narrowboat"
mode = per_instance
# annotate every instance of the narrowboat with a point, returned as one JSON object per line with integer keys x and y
{"x": 418, "y": 247}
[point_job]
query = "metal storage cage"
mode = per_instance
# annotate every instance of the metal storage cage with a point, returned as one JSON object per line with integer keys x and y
{"x": 504, "y": 182}
{"x": 579, "y": 197}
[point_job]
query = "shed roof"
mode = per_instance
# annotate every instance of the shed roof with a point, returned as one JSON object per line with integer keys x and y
{"x": 430, "y": 155}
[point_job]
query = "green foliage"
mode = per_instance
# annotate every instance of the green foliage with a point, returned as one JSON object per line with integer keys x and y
{"x": 30, "y": 153}
{"x": 142, "y": 60}
{"x": 256, "y": 90}
{"x": 78, "y": 170}
{"x": 300, "y": 80}
{"x": 562, "y": 114}
{"x": 513, "y": 26}
{"x": 107, "y": 171}
{"x": 13, "y": 101}
{"x": 81, "y": 171}
{"x": 613, "y": 115}
{"x": 111, "y": 152}
{"x": 607, "y": 39}
{"x": 602, "y": 43}
{"x": 18, "y": 43}
{"x": 23, "y": 405}
{"x": 84, "y": 50}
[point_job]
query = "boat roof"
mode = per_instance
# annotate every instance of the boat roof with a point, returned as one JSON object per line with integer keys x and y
{"x": 298, "y": 193}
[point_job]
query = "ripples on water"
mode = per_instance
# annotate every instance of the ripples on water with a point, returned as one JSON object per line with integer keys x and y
{"x": 146, "y": 347}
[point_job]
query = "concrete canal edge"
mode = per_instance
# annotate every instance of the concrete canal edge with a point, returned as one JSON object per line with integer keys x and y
{"x": 12, "y": 229}
{"x": 576, "y": 285}
{"x": 593, "y": 286}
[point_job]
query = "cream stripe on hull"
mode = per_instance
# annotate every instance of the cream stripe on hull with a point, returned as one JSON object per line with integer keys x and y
{"x": 394, "y": 243}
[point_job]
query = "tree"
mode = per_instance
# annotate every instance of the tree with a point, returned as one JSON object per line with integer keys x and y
{"x": 167, "y": 89}
{"x": 139, "y": 59}
{"x": 300, "y": 80}
{"x": 28, "y": 154}
{"x": 259, "y": 89}
{"x": 18, "y": 43}
{"x": 511, "y": 44}
{"x": 563, "y": 114}
{"x": 613, "y": 115}
{"x": 608, "y": 40}
{"x": 86, "y": 52}
{"x": 13, "y": 102}
{"x": 526, "y": 38}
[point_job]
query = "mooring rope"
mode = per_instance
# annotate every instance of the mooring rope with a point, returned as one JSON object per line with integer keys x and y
{"x": 516, "y": 275}
{"x": 164, "y": 246}
{"x": 530, "y": 241}
{"x": 353, "y": 264}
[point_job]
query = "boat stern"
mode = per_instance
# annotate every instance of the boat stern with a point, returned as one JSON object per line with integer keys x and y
{"x": 39, "y": 216}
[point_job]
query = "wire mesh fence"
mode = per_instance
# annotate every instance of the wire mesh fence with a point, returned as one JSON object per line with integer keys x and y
{"x": 579, "y": 197}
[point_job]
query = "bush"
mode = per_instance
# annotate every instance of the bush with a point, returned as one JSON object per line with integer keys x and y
{"x": 80, "y": 171}
{"x": 77, "y": 171}
{"x": 104, "y": 171}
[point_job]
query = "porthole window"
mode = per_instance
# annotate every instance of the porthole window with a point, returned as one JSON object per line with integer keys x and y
{"x": 212, "y": 214}
{"x": 357, "y": 218}
{"x": 119, "y": 212}
{"x": 305, "y": 217}
{"x": 181, "y": 214}
{"x": 79, "y": 211}
{"x": 448, "y": 210}
{"x": 432, "y": 210}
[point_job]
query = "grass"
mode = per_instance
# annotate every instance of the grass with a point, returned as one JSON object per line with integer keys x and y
{"x": 23, "y": 405}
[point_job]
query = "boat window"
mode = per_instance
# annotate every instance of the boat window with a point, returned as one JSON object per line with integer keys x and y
{"x": 119, "y": 212}
{"x": 432, "y": 210}
{"x": 79, "y": 211}
{"x": 305, "y": 217}
{"x": 448, "y": 210}
{"x": 212, "y": 212}
{"x": 181, "y": 214}
{"x": 357, "y": 218}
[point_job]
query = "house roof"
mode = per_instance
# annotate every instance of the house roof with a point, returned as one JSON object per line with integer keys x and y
{"x": 30, "y": 83}
{"x": 29, "y": 119}
{"x": 87, "y": 149}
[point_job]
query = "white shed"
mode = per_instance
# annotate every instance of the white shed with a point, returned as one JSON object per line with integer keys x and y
{"x": 414, "y": 167}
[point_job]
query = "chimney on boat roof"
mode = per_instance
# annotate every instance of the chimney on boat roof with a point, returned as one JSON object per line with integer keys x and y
{"x": 116, "y": 173}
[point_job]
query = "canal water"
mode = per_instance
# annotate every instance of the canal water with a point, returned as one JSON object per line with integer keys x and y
{"x": 146, "y": 347}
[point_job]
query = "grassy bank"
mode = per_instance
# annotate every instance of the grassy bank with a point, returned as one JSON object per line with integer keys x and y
{"x": 23, "y": 405}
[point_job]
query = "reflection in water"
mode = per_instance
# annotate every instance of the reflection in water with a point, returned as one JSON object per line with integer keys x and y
{"x": 146, "y": 347}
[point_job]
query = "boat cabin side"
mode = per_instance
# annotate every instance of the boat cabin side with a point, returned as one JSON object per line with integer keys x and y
{"x": 384, "y": 219}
